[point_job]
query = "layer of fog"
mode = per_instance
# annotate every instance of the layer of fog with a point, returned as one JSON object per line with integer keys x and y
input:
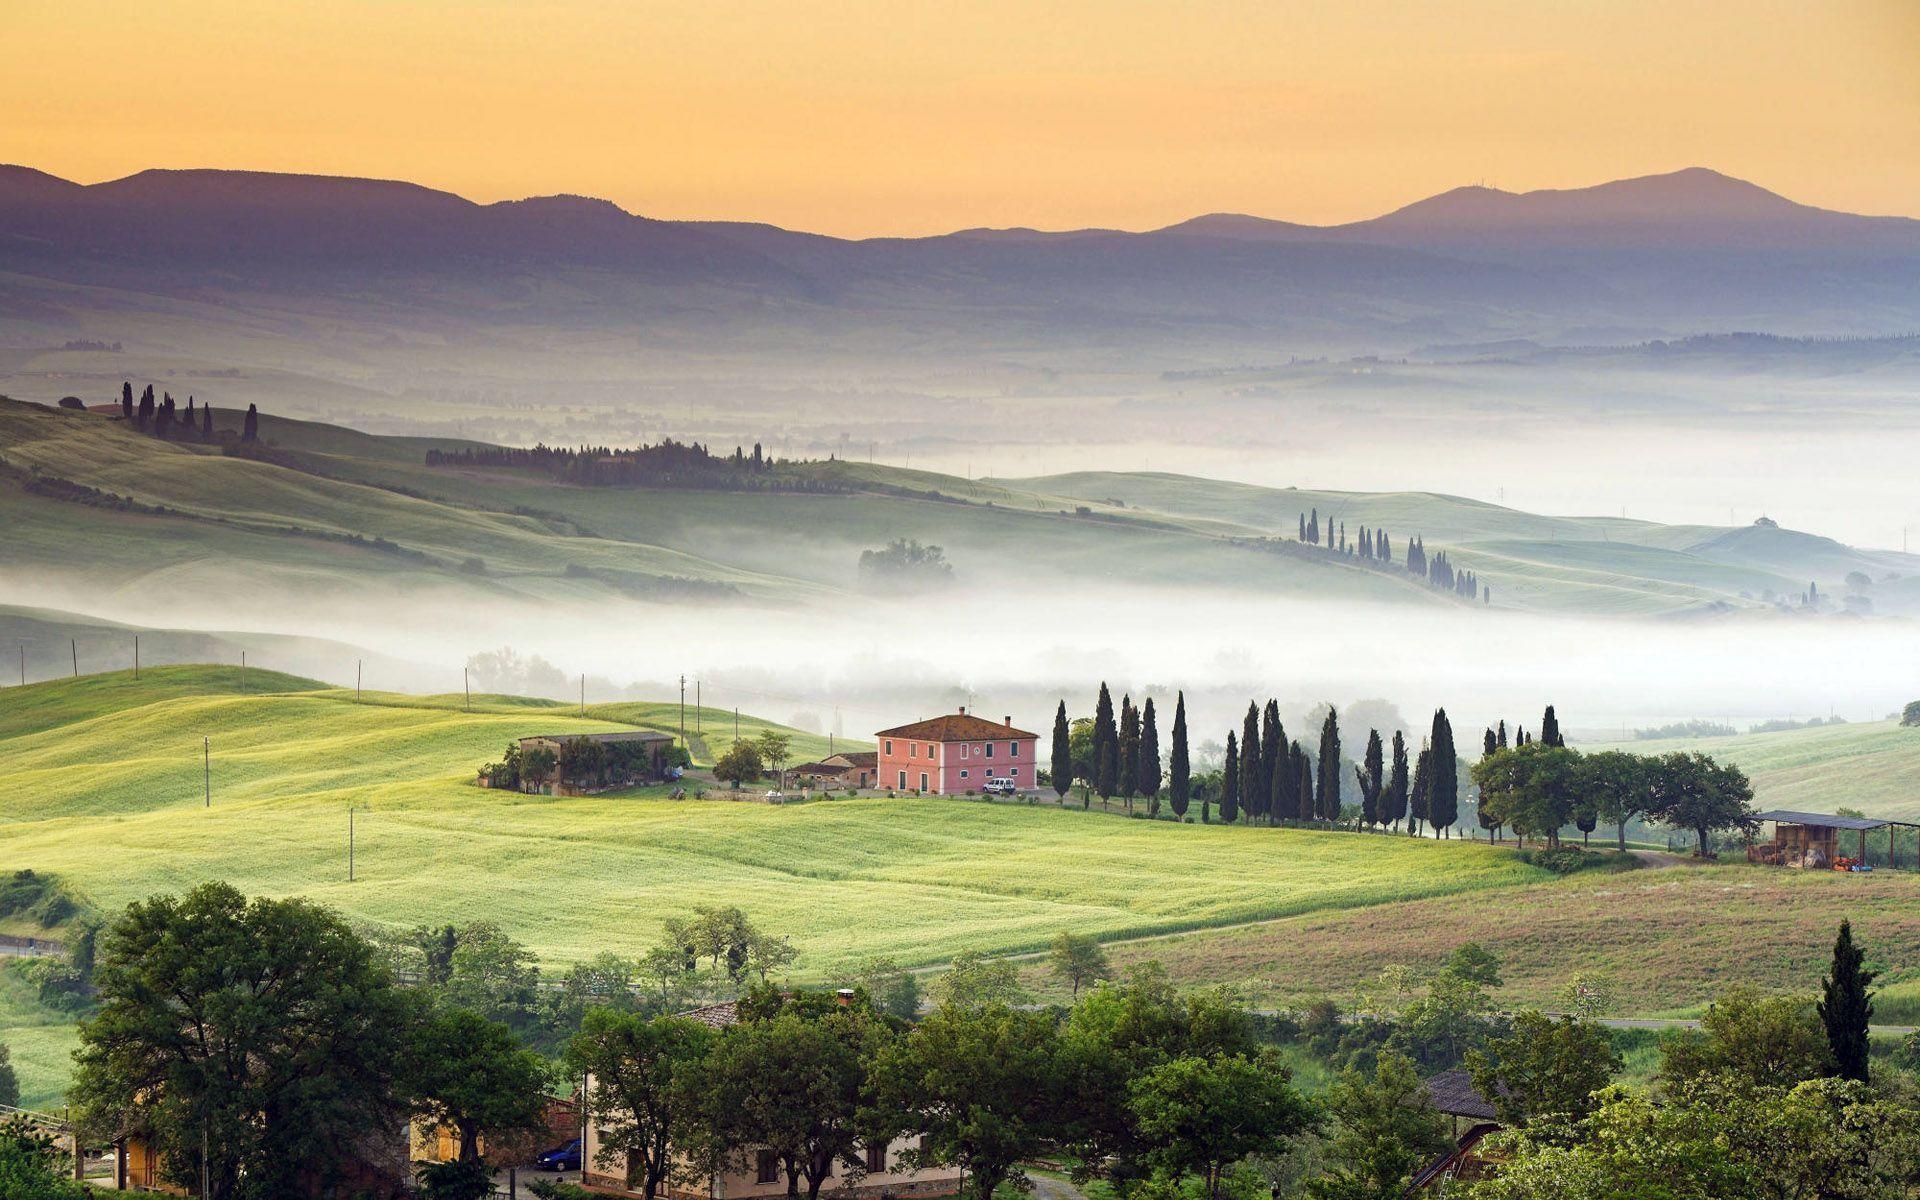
{"x": 1017, "y": 649}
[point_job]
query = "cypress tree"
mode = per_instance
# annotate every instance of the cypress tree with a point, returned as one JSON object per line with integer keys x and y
{"x": 1383, "y": 545}
{"x": 1252, "y": 793}
{"x": 250, "y": 428}
{"x": 1062, "y": 753}
{"x": 206, "y": 420}
{"x": 1106, "y": 746}
{"x": 1846, "y": 1006}
{"x": 1303, "y": 527}
{"x": 1422, "y": 789}
{"x": 1443, "y": 799}
{"x": 1179, "y": 772}
{"x": 1487, "y": 744}
{"x": 1393, "y": 801}
{"x": 1370, "y": 777}
{"x": 144, "y": 413}
{"x": 1129, "y": 750}
{"x": 1329, "y": 800}
{"x": 1273, "y": 749}
{"x": 126, "y": 400}
{"x": 1303, "y": 780}
{"x": 1550, "y": 729}
{"x": 1230, "y": 782}
{"x": 1150, "y": 758}
{"x": 1501, "y": 735}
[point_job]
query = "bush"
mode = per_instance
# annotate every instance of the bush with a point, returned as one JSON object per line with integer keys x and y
{"x": 1566, "y": 860}
{"x": 558, "y": 1189}
{"x": 1911, "y": 715}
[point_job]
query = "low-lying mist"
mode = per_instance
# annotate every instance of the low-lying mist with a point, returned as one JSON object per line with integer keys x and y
{"x": 1016, "y": 648}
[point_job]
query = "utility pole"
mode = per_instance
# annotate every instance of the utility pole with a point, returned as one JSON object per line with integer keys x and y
{"x": 736, "y": 722}
{"x": 23, "y": 664}
{"x": 683, "y": 712}
{"x": 583, "y": 693}
{"x": 356, "y": 681}
{"x": 696, "y": 706}
{"x": 206, "y": 767}
{"x": 136, "y": 656}
{"x": 243, "y": 672}
{"x": 75, "y": 644}
{"x": 467, "y": 684}
{"x": 350, "y": 843}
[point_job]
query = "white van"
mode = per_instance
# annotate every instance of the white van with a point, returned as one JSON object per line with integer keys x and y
{"x": 1000, "y": 786}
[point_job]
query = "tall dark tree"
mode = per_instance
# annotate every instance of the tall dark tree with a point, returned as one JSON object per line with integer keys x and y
{"x": 1303, "y": 527}
{"x": 1284, "y": 805}
{"x": 1129, "y": 750}
{"x": 1422, "y": 789}
{"x": 250, "y": 428}
{"x": 1062, "y": 766}
{"x": 1179, "y": 769}
{"x": 206, "y": 420}
{"x": 1371, "y": 775}
{"x": 144, "y": 415}
{"x": 1106, "y": 746}
{"x": 1149, "y": 785}
{"x": 126, "y": 400}
{"x": 1846, "y": 1006}
{"x": 1550, "y": 729}
{"x": 1443, "y": 798}
{"x": 1253, "y": 795}
{"x": 1303, "y": 780}
{"x": 1327, "y": 807}
{"x": 1273, "y": 749}
{"x": 1488, "y": 744}
{"x": 1500, "y": 736}
{"x": 1393, "y": 800}
{"x": 1230, "y": 781}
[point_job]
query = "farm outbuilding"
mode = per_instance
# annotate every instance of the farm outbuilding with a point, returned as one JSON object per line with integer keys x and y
{"x": 1823, "y": 841}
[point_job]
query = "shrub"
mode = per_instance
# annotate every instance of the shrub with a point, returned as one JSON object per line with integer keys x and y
{"x": 1564, "y": 861}
{"x": 1911, "y": 715}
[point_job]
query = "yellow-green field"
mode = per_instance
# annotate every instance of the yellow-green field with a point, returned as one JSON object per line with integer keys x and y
{"x": 1873, "y": 766}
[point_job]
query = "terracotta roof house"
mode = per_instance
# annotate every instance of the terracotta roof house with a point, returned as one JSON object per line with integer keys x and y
{"x": 854, "y": 770}
{"x": 956, "y": 754}
{"x": 754, "y": 1173}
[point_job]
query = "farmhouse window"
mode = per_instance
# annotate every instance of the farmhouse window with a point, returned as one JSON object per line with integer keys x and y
{"x": 889, "y": 745}
{"x": 963, "y": 773}
{"x": 877, "y": 1158}
{"x": 1013, "y": 749}
{"x": 913, "y": 749}
{"x": 766, "y": 1167}
{"x": 989, "y": 749}
{"x": 964, "y": 749}
{"x": 1013, "y": 772}
{"x": 903, "y": 781}
{"x": 923, "y": 781}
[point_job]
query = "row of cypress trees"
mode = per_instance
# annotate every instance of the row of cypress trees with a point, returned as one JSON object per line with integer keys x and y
{"x": 1265, "y": 775}
{"x": 163, "y": 418}
{"x": 1374, "y": 545}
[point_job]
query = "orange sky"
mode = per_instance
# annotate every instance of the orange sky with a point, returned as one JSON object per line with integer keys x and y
{"x": 857, "y": 117}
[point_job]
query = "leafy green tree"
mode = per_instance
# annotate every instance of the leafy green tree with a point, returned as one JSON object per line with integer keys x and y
{"x": 1199, "y": 1116}
{"x": 1616, "y": 784}
{"x": 1443, "y": 798}
{"x": 9, "y": 1079}
{"x": 493, "y": 975}
{"x": 1384, "y": 1131}
{"x": 1179, "y": 769}
{"x": 30, "y": 1165}
{"x": 1531, "y": 788}
{"x": 980, "y": 1085}
{"x": 263, "y": 1031}
{"x": 1544, "y": 1067}
{"x": 1393, "y": 799}
{"x": 1077, "y": 960}
{"x": 473, "y": 1075}
{"x": 633, "y": 1062}
{"x": 1755, "y": 1041}
{"x": 1846, "y": 1006}
{"x": 1910, "y": 715}
{"x": 1439, "y": 1028}
{"x": 1328, "y": 806}
{"x": 892, "y": 988}
{"x": 1371, "y": 776}
{"x": 1062, "y": 767}
{"x": 1474, "y": 962}
{"x": 795, "y": 1084}
{"x": 456, "y": 1179}
{"x": 776, "y": 749}
{"x": 1691, "y": 791}
{"x": 741, "y": 764}
{"x": 973, "y": 980}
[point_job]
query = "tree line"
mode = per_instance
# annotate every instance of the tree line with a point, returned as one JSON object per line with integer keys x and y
{"x": 163, "y": 418}
{"x": 1374, "y": 547}
{"x": 665, "y": 464}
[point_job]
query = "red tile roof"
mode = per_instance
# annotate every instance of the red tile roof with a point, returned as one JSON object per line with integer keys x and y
{"x": 956, "y": 727}
{"x": 717, "y": 1016}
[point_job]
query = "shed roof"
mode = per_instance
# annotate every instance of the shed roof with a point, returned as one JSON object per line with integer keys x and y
{"x": 1786, "y": 816}
{"x": 1453, "y": 1093}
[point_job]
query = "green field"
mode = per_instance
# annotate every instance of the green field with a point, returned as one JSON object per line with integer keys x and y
{"x": 1873, "y": 766}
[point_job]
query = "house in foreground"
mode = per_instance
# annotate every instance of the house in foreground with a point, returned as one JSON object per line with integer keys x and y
{"x": 956, "y": 754}
{"x": 755, "y": 1173}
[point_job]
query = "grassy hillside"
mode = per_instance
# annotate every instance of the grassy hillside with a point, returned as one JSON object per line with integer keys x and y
{"x": 341, "y": 516}
{"x": 1873, "y": 766}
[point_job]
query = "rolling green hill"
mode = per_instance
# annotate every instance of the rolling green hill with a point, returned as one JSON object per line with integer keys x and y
{"x": 329, "y": 515}
{"x": 1873, "y": 766}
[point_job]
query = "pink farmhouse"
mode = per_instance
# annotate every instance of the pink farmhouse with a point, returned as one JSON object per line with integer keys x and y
{"x": 956, "y": 754}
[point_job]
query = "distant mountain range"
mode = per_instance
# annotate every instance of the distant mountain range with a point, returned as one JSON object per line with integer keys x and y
{"x": 1668, "y": 254}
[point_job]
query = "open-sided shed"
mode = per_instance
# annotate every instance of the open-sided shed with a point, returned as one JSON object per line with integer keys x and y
{"x": 1819, "y": 840}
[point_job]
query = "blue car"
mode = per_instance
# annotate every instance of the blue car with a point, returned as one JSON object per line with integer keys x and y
{"x": 561, "y": 1158}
